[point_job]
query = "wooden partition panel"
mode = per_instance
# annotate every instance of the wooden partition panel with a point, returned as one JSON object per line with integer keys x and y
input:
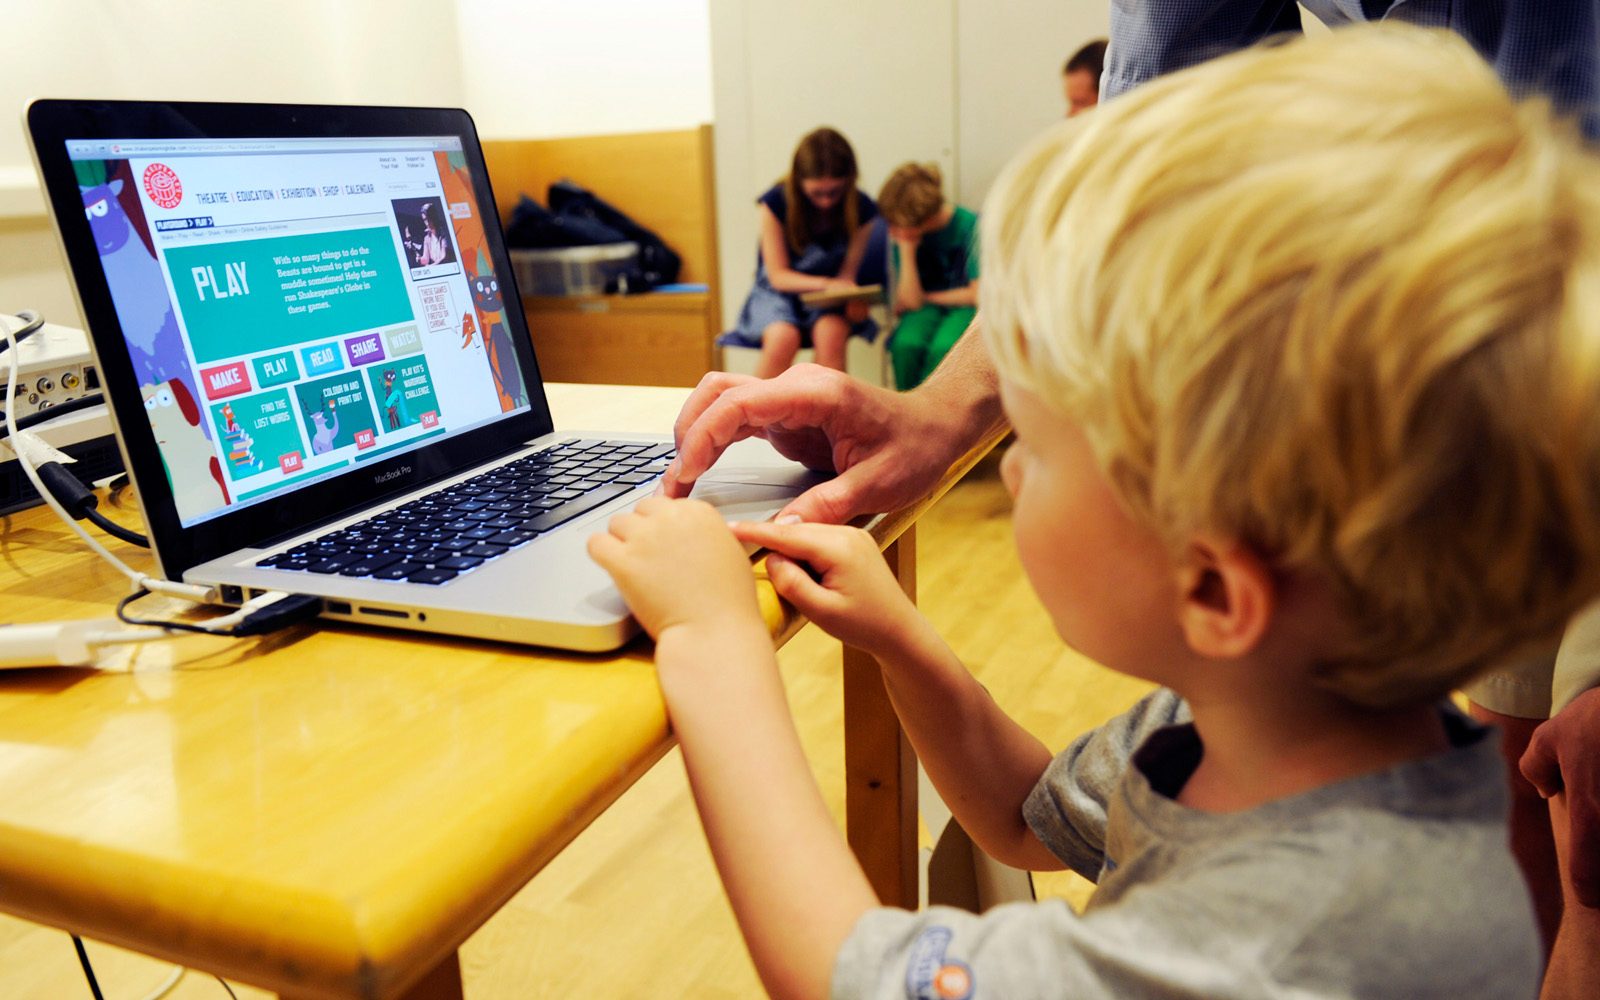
{"x": 665, "y": 182}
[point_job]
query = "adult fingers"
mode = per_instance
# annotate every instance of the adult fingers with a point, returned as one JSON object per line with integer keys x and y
{"x": 1540, "y": 763}
{"x": 1583, "y": 844}
{"x": 728, "y": 419}
{"x": 705, "y": 393}
{"x": 835, "y": 501}
{"x": 803, "y": 396}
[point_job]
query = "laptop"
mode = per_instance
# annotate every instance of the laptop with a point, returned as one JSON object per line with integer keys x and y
{"x": 321, "y": 379}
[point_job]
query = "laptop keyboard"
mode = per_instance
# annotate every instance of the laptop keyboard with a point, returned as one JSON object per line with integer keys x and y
{"x": 436, "y": 538}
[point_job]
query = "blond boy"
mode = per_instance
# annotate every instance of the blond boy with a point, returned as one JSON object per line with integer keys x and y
{"x": 1303, "y": 369}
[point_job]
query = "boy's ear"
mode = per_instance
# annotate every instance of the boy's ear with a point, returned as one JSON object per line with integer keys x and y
{"x": 1227, "y": 598}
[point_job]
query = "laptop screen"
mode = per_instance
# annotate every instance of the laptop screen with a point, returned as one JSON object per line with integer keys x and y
{"x": 297, "y": 307}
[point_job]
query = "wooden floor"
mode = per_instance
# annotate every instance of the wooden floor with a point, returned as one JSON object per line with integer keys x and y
{"x": 633, "y": 908}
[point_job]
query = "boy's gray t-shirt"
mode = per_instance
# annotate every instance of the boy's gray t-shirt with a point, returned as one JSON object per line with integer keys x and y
{"x": 1393, "y": 884}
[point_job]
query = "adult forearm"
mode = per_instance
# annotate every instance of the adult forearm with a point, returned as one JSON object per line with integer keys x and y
{"x": 965, "y": 391}
{"x": 793, "y": 883}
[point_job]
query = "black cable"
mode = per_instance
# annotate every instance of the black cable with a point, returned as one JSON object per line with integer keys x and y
{"x": 31, "y": 322}
{"x": 70, "y": 493}
{"x": 122, "y": 614}
{"x": 88, "y": 971}
{"x": 80, "y": 502}
{"x": 50, "y": 413}
{"x": 111, "y": 527}
{"x": 280, "y": 614}
{"x": 225, "y": 986}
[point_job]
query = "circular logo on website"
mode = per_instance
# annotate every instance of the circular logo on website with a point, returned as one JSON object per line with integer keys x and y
{"x": 162, "y": 185}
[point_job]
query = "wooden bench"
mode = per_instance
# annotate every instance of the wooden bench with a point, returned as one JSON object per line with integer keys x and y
{"x": 665, "y": 181}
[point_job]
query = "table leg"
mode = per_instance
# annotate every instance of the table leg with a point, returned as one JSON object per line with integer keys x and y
{"x": 442, "y": 982}
{"x": 880, "y": 771}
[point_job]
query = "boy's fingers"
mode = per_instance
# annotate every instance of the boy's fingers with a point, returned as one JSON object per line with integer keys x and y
{"x": 792, "y": 582}
{"x": 813, "y": 543}
{"x": 605, "y": 549}
{"x": 621, "y": 524}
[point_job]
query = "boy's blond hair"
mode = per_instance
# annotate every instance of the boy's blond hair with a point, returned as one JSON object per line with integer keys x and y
{"x": 912, "y": 195}
{"x": 1354, "y": 325}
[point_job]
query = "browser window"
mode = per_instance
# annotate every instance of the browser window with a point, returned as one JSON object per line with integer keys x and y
{"x": 296, "y": 307}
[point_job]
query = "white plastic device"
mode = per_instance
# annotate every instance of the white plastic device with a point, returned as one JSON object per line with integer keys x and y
{"x": 66, "y": 644}
{"x": 55, "y": 366}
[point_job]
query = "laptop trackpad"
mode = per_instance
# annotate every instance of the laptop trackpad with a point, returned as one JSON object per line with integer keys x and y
{"x": 744, "y": 501}
{"x": 754, "y": 461}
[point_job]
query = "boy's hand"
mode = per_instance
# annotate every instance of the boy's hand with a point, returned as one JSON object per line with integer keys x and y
{"x": 849, "y": 590}
{"x": 677, "y": 564}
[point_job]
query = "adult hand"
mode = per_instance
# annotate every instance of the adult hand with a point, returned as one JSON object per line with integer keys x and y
{"x": 852, "y": 595}
{"x": 1563, "y": 758}
{"x": 651, "y": 549}
{"x": 889, "y": 448}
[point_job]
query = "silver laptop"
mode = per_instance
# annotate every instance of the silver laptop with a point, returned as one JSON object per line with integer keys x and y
{"x": 321, "y": 378}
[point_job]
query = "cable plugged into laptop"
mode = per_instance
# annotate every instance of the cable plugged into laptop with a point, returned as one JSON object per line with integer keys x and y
{"x": 260, "y": 615}
{"x": 77, "y": 643}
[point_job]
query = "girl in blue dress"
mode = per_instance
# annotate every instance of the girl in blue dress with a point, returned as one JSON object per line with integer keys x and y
{"x": 813, "y": 226}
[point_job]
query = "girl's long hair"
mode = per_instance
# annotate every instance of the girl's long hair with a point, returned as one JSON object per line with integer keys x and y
{"x": 823, "y": 153}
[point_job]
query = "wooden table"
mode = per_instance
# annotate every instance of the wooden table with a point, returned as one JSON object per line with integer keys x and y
{"x": 332, "y": 811}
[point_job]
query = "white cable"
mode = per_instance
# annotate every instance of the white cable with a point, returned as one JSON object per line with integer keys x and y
{"x": 166, "y": 984}
{"x": 198, "y": 594}
{"x": 249, "y": 607}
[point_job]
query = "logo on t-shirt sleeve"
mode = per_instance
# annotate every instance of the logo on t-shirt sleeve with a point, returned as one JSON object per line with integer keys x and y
{"x": 931, "y": 976}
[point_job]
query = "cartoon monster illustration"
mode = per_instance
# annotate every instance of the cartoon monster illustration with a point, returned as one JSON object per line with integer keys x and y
{"x": 322, "y": 437}
{"x": 468, "y": 330}
{"x": 192, "y": 468}
{"x": 394, "y": 401}
{"x": 139, "y": 292}
{"x": 502, "y": 357}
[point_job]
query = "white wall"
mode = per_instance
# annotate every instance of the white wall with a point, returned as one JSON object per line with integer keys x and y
{"x": 540, "y": 68}
{"x": 287, "y": 50}
{"x": 960, "y": 82}
{"x": 1008, "y": 71}
{"x": 882, "y": 72}
{"x": 524, "y": 69}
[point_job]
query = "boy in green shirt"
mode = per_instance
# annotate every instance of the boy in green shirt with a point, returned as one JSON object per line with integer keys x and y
{"x": 937, "y": 297}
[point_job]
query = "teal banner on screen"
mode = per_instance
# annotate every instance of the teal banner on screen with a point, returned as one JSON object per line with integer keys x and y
{"x": 259, "y": 295}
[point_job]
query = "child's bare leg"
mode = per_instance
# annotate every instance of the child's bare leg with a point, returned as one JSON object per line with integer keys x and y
{"x": 779, "y": 342}
{"x": 829, "y": 337}
{"x": 1531, "y": 840}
